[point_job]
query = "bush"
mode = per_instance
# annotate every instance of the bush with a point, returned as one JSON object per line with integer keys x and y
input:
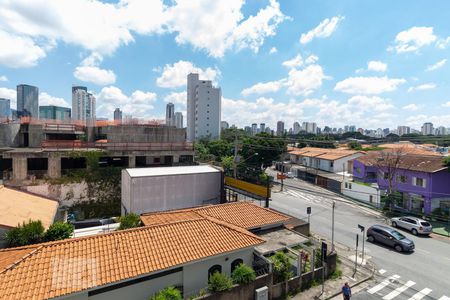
{"x": 59, "y": 231}
{"x": 219, "y": 282}
{"x": 129, "y": 221}
{"x": 170, "y": 293}
{"x": 281, "y": 267}
{"x": 25, "y": 234}
{"x": 243, "y": 274}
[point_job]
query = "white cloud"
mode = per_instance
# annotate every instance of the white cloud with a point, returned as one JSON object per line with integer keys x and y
{"x": 19, "y": 51}
{"x": 437, "y": 65}
{"x": 3, "y": 78}
{"x": 413, "y": 39}
{"x": 443, "y": 43}
{"x": 323, "y": 30}
{"x": 411, "y": 107}
{"x": 88, "y": 71}
{"x": 273, "y": 50}
{"x": 193, "y": 21}
{"x": 447, "y": 104}
{"x": 177, "y": 98}
{"x": 174, "y": 76}
{"x": 312, "y": 59}
{"x": 9, "y": 94}
{"x": 376, "y": 66}
{"x": 46, "y": 99}
{"x": 368, "y": 85}
{"x": 304, "y": 82}
{"x": 418, "y": 120}
{"x": 138, "y": 104}
{"x": 294, "y": 62}
{"x": 422, "y": 87}
{"x": 263, "y": 88}
{"x": 373, "y": 103}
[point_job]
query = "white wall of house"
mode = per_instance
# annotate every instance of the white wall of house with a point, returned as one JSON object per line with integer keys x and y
{"x": 361, "y": 192}
{"x": 334, "y": 166}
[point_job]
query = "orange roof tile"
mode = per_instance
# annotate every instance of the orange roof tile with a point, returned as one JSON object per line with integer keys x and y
{"x": 243, "y": 214}
{"x": 64, "y": 267}
{"x": 323, "y": 153}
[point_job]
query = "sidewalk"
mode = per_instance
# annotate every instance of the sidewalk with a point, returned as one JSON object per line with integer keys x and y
{"x": 332, "y": 287}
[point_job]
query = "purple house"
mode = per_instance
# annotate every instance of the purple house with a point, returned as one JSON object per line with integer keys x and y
{"x": 423, "y": 181}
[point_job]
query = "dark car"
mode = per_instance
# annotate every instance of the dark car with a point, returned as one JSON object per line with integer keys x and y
{"x": 389, "y": 237}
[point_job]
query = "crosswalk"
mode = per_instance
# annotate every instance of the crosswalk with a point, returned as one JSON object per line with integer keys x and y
{"x": 392, "y": 287}
{"x": 318, "y": 200}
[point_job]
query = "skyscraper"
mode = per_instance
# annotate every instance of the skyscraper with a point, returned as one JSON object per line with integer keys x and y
{"x": 296, "y": 128}
{"x": 262, "y": 127}
{"x": 310, "y": 127}
{"x": 52, "y": 112}
{"x": 427, "y": 128}
{"x": 203, "y": 108}
{"x": 280, "y": 128}
{"x": 179, "y": 119}
{"x": 401, "y": 130}
{"x": 170, "y": 114}
{"x": 224, "y": 125}
{"x": 254, "y": 128}
{"x": 5, "y": 108}
{"x": 117, "y": 114}
{"x": 83, "y": 104}
{"x": 27, "y": 101}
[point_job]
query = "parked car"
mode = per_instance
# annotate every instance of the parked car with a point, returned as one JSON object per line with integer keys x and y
{"x": 290, "y": 175}
{"x": 413, "y": 224}
{"x": 389, "y": 237}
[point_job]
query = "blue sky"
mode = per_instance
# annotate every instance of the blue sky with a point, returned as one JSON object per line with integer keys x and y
{"x": 377, "y": 63}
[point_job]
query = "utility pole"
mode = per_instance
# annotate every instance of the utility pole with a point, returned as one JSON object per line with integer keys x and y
{"x": 362, "y": 228}
{"x": 332, "y": 226}
{"x": 356, "y": 254}
{"x": 235, "y": 156}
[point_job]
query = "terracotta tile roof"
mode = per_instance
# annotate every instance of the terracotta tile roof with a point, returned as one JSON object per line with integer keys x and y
{"x": 412, "y": 162}
{"x": 17, "y": 207}
{"x": 243, "y": 214}
{"x": 410, "y": 148}
{"x": 323, "y": 153}
{"x": 63, "y": 267}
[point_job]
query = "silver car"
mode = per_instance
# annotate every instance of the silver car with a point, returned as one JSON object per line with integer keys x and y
{"x": 413, "y": 224}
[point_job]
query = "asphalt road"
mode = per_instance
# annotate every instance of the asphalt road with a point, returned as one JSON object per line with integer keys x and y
{"x": 423, "y": 274}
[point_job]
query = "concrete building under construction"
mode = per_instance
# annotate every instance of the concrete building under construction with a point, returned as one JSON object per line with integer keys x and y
{"x": 38, "y": 148}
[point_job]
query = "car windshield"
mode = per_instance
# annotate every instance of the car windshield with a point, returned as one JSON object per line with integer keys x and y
{"x": 397, "y": 235}
{"x": 426, "y": 224}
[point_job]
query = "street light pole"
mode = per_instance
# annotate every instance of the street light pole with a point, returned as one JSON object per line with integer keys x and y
{"x": 332, "y": 227}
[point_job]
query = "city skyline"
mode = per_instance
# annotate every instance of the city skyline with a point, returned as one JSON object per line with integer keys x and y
{"x": 300, "y": 66}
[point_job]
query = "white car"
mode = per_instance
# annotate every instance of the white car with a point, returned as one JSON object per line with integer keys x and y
{"x": 413, "y": 224}
{"x": 290, "y": 175}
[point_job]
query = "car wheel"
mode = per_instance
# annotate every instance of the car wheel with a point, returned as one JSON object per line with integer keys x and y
{"x": 398, "y": 248}
{"x": 414, "y": 231}
{"x": 394, "y": 224}
{"x": 371, "y": 239}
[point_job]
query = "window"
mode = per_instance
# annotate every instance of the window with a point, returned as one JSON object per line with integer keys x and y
{"x": 371, "y": 175}
{"x": 371, "y": 199}
{"x": 349, "y": 186}
{"x": 236, "y": 264}
{"x": 421, "y": 182}
{"x": 346, "y": 185}
{"x": 331, "y": 164}
{"x": 401, "y": 178}
{"x": 214, "y": 269}
{"x": 385, "y": 175}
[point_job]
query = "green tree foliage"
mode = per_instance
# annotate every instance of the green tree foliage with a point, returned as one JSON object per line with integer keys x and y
{"x": 59, "y": 231}
{"x": 354, "y": 145}
{"x": 220, "y": 148}
{"x": 219, "y": 282}
{"x": 28, "y": 233}
{"x": 446, "y": 161}
{"x": 243, "y": 274}
{"x": 170, "y": 293}
{"x": 356, "y": 135}
{"x": 129, "y": 221}
{"x": 281, "y": 267}
{"x": 227, "y": 164}
{"x": 202, "y": 152}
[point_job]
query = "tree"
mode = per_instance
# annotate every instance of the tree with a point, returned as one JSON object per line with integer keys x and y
{"x": 446, "y": 162}
{"x": 219, "y": 282}
{"x": 354, "y": 145}
{"x": 281, "y": 267}
{"x": 170, "y": 293}
{"x": 59, "y": 231}
{"x": 129, "y": 221}
{"x": 28, "y": 233}
{"x": 243, "y": 274}
{"x": 202, "y": 152}
{"x": 227, "y": 163}
{"x": 220, "y": 148}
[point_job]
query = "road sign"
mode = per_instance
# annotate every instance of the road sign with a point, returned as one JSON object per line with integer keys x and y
{"x": 308, "y": 210}
{"x": 324, "y": 252}
{"x": 361, "y": 227}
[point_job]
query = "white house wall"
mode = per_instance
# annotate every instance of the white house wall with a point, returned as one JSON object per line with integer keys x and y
{"x": 361, "y": 192}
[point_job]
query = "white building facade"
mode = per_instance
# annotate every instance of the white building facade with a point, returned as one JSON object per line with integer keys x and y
{"x": 179, "y": 119}
{"x": 204, "y": 108}
{"x": 83, "y": 104}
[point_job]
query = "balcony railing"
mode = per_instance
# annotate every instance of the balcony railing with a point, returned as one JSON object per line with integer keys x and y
{"x": 77, "y": 145}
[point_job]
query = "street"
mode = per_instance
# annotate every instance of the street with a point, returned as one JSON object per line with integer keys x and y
{"x": 423, "y": 274}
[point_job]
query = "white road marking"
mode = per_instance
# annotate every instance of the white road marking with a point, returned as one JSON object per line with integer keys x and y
{"x": 381, "y": 271}
{"x": 421, "y": 294}
{"x": 399, "y": 290}
{"x": 444, "y": 298}
{"x": 383, "y": 284}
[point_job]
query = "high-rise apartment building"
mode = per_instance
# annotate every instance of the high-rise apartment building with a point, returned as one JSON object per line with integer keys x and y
{"x": 401, "y": 130}
{"x": 204, "y": 104}
{"x": 27, "y": 101}
{"x": 262, "y": 127}
{"x": 52, "y": 112}
{"x": 441, "y": 130}
{"x": 117, "y": 114}
{"x": 309, "y": 127}
{"x": 427, "y": 128}
{"x": 179, "y": 119}
{"x": 280, "y": 128}
{"x": 5, "y": 108}
{"x": 83, "y": 104}
{"x": 296, "y": 128}
{"x": 170, "y": 114}
{"x": 224, "y": 125}
{"x": 254, "y": 128}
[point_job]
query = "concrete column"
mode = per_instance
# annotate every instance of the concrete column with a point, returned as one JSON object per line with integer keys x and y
{"x": 149, "y": 160}
{"x": 54, "y": 167}
{"x": 131, "y": 161}
{"x": 20, "y": 167}
{"x": 175, "y": 159}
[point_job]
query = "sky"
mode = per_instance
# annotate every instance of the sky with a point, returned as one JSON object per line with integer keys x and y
{"x": 373, "y": 63}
